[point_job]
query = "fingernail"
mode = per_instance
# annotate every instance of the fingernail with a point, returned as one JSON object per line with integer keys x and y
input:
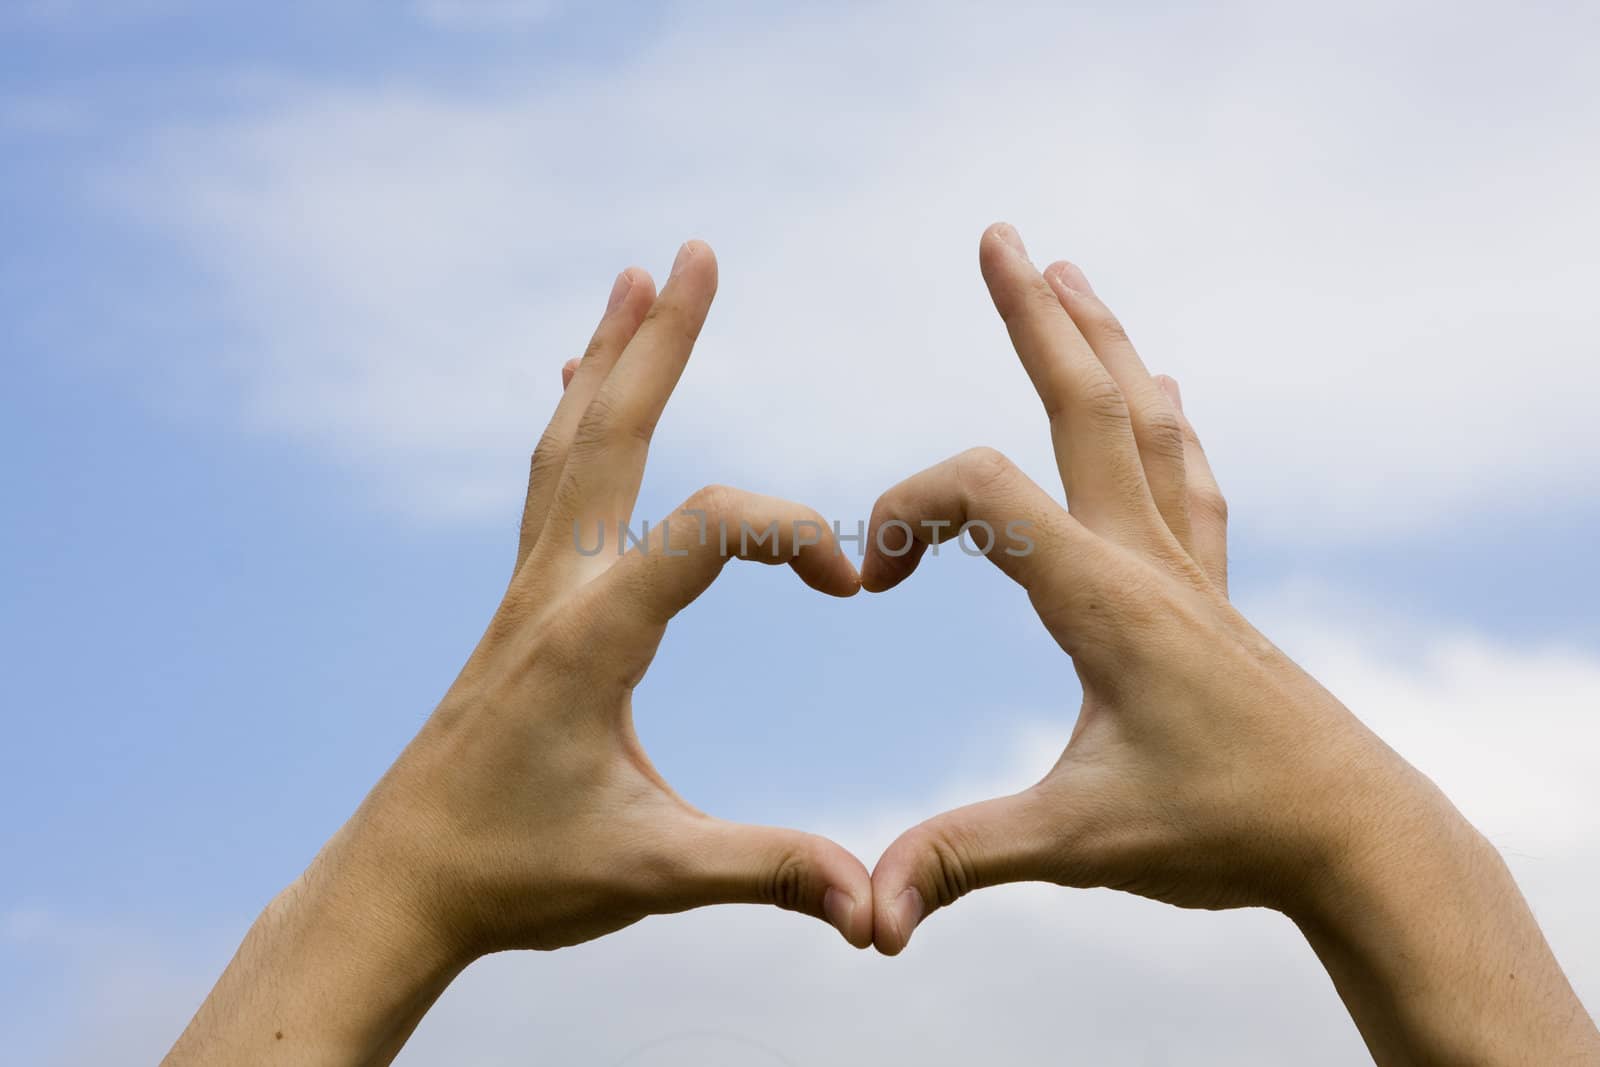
{"x": 1056, "y": 275}
{"x": 619, "y": 290}
{"x": 1072, "y": 277}
{"x": 684, "y": 255}
{"x": 1169, "y": 385}
{"x": 1009, "y": 236}
{"x": 907, "y": 913}
{"x": 839, "y": 910}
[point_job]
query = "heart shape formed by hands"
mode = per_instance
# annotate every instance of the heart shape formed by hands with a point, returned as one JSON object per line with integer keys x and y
{"x": 1205, "y": 769}
{"x": 546, "y": 824}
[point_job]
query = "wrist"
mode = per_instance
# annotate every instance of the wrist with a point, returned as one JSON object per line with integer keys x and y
{"x": 338, "y": 968}
{"x": 369, "y": 956}
{"x": 1432, "y": 947}
{"x": 1353, "y": 816}
{"x": 381, "y": 880}
{"x": 1378, "y": 827}
{"x": 1387, "y": 848}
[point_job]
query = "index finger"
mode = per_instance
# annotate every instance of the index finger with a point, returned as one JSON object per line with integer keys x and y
{"x": 1090, "y": 426}
{"x": 1011, "y": 521}
{"x": 655, "y": 580}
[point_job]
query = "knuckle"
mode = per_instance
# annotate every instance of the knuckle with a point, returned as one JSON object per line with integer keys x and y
{"x": 1101, "y": 400}
{"x": 1162, "y": 435}
{"x": 786, "y": 882}
{"x": 1107, "y": 327}
{"x": 606, "y": 421}
{"x": 548, "y": 457}
{"x": 641, "y": 430}
{"x": 951, "y": 875}
{"x": 983, "y": 467}
{"x": 595, "y": 427}
{"x": 715, "y": 500}
{"x": 1209, "y": 502}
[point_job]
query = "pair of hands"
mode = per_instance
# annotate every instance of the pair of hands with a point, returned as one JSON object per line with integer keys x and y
{"x": 1205, "y": 769}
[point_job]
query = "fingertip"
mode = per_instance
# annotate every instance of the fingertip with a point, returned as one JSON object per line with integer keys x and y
{"x": 847, "y": 902}
{"x": 824, "y": 567}
{"x": 876, "y": 575}
{"x": 842, "y": 581}
{"x": 850, "y": 584}
{"x": 838, "y": 909}
{"x": 869, "y": 575}
{"x": 1005, "y": 236}
{"x": 873, "y": 580}
{"x": 897, "y": 904}
{"x": 908, "y": 911}
{"x": 881, "y": 572}
{"x": 695, "y": 259}
{"x": 998, "y": 252}
{"x": 568, "y": 369}
{"x": 1072, "y": 276}
{"x": 848, "y": 915}
{"x": 641, "y": 291}
{"x": 896, "y": 920}
{"x": 638, "y": 278}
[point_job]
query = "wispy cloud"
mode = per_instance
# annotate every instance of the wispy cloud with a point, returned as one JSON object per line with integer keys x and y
{"x": 1032, "y": 974}
{"x": 1371, "y": 271}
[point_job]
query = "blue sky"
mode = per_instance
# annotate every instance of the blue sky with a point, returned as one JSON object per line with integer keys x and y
{"x": 286, "y": 295}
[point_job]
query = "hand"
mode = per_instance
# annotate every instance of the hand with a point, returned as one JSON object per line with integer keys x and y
{"x": 525, "y": 814}
{"x": 526, "y": 811}
{"x": 1205, "y": 769}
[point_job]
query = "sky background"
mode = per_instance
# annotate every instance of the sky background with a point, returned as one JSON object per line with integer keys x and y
{"x": 284, "y": 294}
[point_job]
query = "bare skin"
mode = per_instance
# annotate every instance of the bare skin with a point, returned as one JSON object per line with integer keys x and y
{"x": 525, "y": 814}
{"x": 1206, "y": 769}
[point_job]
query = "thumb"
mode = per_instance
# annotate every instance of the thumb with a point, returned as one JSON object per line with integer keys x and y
{"x": 734, "y": 863}
{"x": 934, "y": 864}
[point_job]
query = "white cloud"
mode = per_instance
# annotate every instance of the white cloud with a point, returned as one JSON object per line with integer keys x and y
{"x": 1370, "y": 263}
{"x": 1032, "y": 974}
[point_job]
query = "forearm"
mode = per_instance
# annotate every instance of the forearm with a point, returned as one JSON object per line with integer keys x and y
{"x": 1436, "y": 953}
{"x": 337, "y": 970}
